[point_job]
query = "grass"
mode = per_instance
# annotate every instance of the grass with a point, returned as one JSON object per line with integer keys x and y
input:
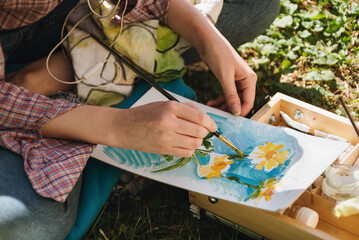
{"x": 158, "y": 212}
{"x": 311, "y": 52}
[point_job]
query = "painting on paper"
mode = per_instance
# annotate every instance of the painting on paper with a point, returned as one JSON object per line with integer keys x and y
{"x": 277, "y": 166}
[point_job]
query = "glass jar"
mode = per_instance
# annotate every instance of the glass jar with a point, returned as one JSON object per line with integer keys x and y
{"x": 341, "y": 182}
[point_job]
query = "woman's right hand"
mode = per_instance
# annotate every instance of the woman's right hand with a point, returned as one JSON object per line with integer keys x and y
{"x": 167, "y": 127}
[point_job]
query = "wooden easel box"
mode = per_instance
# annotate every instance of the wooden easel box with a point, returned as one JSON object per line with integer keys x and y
{"x": 281, "y": 226}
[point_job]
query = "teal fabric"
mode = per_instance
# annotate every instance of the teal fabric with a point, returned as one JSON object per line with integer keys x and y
{"x": 100, "y": 178}
{"x": 13, "y": 67}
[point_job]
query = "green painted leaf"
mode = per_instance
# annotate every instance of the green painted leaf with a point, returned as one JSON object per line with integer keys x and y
{"x": 201, "y": 153}
{"x": 179, "y": 163}
{"x": 168, "y": 157}
{"x": 236, "y": 156}
{"x": 256, "y": 194}
{"x": 209, "y": 135}
{"x": 271, "y": 180}
{"x": 233, "y": 178}
{"x": 207, "y": 144}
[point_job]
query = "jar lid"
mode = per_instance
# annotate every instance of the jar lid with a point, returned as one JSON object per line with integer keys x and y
{"x": 308, "y": 217}
{"x": 342, "y": 176}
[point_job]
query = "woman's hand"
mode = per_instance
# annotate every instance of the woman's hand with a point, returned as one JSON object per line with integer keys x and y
{"x": 161, "y": 127}
{"x": 237, "y": 79}
{"x": 165, "y": 127}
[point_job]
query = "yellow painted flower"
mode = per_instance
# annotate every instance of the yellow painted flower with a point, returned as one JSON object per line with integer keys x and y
{"x": 268, "y": 190}
{"x": 268, "y": 156}
{"x": 215, "y": 168}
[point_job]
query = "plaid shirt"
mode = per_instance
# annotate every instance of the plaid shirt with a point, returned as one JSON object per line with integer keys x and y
{"x": 52, "y": 165}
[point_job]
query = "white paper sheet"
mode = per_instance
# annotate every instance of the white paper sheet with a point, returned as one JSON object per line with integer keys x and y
{"x": 280, "y": 163}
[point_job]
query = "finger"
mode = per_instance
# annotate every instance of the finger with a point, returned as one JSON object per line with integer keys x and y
{"x": 192, "y": 105}
{"x": 195, "y": 106}
{"x": 248, "y": 101}
{"x": 216, "y": 102}
{"x": 224, "y": 107}
{"x": 231, "y": 94}
{"x": 179, "y": 145}
{"x": 248, "y": 92}
{"x": 191, "y": 129}
{"x": 196, "y": 116}
{"x": 180, "y": 152}
{"x": 186, "y": 142}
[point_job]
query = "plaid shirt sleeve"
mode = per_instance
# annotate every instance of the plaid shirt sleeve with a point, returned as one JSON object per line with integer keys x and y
{"x": 141, "y": 10}
{"x": 52, "y": 165}
{"x": 19, "y": 13}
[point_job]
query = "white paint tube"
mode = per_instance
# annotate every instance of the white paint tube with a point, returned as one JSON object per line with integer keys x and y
{"x": 304, "y": 128}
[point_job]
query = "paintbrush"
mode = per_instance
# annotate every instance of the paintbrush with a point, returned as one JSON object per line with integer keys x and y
{"x": 349, "y": 116}
{"x": 141, "y": 73}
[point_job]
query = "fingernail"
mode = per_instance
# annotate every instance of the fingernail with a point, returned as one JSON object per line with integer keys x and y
{"x": 236, "y": 110}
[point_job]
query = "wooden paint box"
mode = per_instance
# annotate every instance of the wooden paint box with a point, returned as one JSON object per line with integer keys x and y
{"x": 280, "y": 226}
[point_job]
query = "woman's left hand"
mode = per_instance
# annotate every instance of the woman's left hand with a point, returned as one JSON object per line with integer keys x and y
{"x": 237, "y": 79}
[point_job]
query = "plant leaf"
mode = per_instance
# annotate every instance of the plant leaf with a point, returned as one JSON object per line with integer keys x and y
{"x": 304, "y": 34}
{"x": 313, "y": 75}
{"x": 283, "y": 21}
{"x": 327, "y": 75}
